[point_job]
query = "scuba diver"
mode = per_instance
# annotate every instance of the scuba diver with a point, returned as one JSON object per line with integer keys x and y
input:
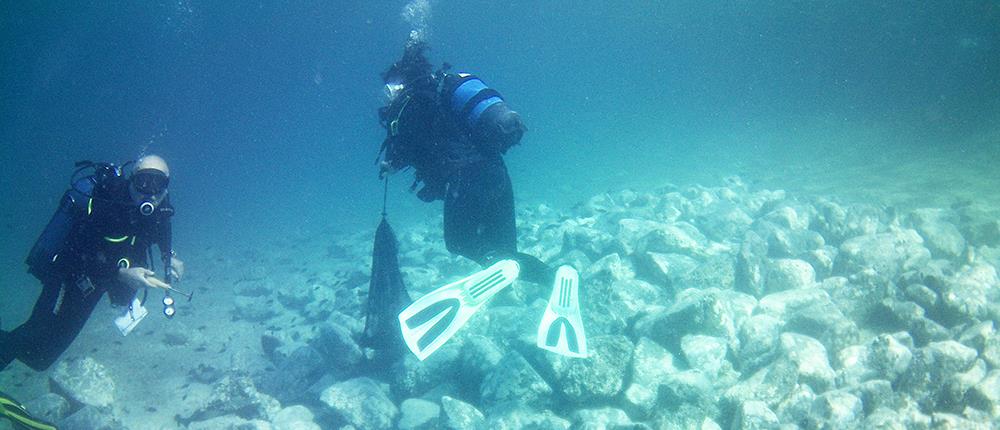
{"x": 99, "y": 241}
{"x": 453, "y": 130}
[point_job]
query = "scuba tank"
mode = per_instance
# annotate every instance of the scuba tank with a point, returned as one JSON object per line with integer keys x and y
{"x": 467, "y": 97}
{"x": 43, "y": 258}
{"x": 481, "y": 112}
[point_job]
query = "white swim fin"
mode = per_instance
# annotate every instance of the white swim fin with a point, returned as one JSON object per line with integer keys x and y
{"x": 561, "y": 330}
{"x": 434, "y": 318}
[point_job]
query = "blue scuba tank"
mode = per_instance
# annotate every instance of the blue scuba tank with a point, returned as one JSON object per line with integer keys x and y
{"x": 468, "y": 97}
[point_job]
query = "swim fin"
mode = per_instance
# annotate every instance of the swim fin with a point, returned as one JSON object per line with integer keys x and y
{"x": 19, "y": 416}
{"x": 434, "y": 318}
{"x": 561, "y": 330}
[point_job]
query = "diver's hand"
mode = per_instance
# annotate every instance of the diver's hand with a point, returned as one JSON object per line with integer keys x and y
{"x": 176, "y": 269}
{"x": 385, "y": 169}
{"x": 140, "y": 277}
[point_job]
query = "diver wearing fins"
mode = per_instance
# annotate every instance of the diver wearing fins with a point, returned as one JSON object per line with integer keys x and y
{"x": 18, "y": 415}
{"x": 98, "y": 241}
{"x": 454, "y": 130}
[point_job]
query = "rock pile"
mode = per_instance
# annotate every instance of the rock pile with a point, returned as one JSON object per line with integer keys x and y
{"x": 705, "y": 308}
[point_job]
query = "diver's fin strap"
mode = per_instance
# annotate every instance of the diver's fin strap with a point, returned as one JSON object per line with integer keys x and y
{"x": 434, "y": 318}
{"x": 19, "y": 416}
{"x": 561, "y": 330}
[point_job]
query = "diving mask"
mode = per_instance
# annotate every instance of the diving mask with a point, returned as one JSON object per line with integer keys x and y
{"x": 150, "y": 181}
{"x": 147, "y": 188}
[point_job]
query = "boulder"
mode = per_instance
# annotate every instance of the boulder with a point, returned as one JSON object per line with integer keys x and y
{"x": 478, "y": 357}
{"x": 92, "y": 418}
{"x": 84, "y": 381}
{"x": 890, "y": 356}
{"x": 985, "y": 339}
{"x": 715, "y": 270}
{"x": 902, "y": 315}
{"x": 932, "y": 366}
{"x": 50, "y": 407}
{"x": 676, "y": 238}
{"x": 610, "y": 268}
{"x": 514, "y": 380}
{"x": 230, "y": 422}
{"x": 669, "y": 270}
{"x": 836, "y": 409}
{"x": 951, "y": 356}
{"x": 824, "y": 322}
{"x": 859, "y": 297}
{"x": 939, "y": 232}
{"x": 786, "y": 303}
{"x": 284, "y": 381}
{"x": 689, "y": 393}
{"x": 792, "y": 217}
{"x": 985, "y": 395}
{"x": 458, "y": 415}
{"x": 337, "y": 346}
{"x": 924, "y": 297}
{"x": 235, "y": 394}
{"x": 250, "y": 309}
{"x": 971, "y": 293}
{"x": 751, "y": 268}
{"x": 630, "y": 297}
{"x": 362, "y": 403}
{"x": 593, "y": 242}
{"x": 296, "y": 417}
{"x": 783, "y": 243}
{"x": 838, "y": 224}
{"x": 723, "y": 221}
{"x": 759, "y": 340}
{"x": 411, "y": 377}
{"x": 418, "y": 414}
{"x": 651, "y": 365}
{"x": 771, "y": 385}
{"x": 631, "y": 231}
{"x": 884, "y": 419}
{"x": 810, "y": 359}
{"x": 796, "y": 407}
{"x": 763, "y": 201}
{"x": 600, "y": 419}
{"x": 755, "y": 415}
{"x": 943, "y": 420}
{"x": 952, "y": 396}
{"x": 710, "y": 312}
{"x": 297, "y": 296}
{"x": 887, "y": 254}
{"x": 876, "y": 394}
{"x": 597, "y": 378}
{"x": 708, "y": 354}
{"x": 517, "y": 416}
{"x": 789, "y": 274}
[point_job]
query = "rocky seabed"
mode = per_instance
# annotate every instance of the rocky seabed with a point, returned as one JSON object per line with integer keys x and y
{"x": 707, "y": 308}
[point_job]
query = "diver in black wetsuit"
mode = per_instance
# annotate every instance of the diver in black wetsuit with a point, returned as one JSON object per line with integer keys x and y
{"x": 454, "y": 130}
{"x": 98, "y": 241}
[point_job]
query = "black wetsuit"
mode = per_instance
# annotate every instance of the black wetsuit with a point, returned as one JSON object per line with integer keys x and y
{"x": 465, "y": 168}
{"x": 95, "y": 231}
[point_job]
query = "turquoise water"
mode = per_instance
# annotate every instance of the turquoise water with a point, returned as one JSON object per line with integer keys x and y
{"x": 267, "y": 111}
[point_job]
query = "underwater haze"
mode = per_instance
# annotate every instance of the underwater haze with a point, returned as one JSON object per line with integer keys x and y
{"x": 267, "y": 114}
